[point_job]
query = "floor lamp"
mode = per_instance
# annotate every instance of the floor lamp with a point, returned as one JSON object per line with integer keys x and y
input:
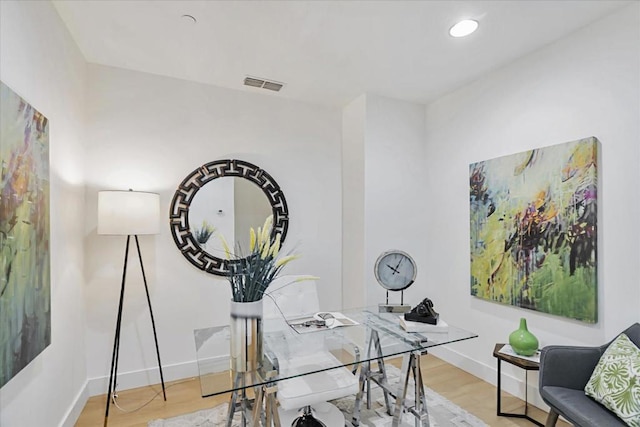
{"x": 128, "y": 213}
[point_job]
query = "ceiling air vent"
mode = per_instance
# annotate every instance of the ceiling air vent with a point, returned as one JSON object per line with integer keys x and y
{"x": 262, "y": 83}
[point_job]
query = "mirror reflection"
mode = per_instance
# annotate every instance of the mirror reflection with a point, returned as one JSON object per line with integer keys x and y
{"x": 224, "y": 197}
{"x": 228, "y": 206}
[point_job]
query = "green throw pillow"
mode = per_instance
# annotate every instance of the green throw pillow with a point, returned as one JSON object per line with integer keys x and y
{"x": 615, "y": 383}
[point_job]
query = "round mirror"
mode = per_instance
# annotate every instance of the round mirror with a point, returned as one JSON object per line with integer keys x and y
{"x": 227, "y": 204}
{"x": 226, "y": 197}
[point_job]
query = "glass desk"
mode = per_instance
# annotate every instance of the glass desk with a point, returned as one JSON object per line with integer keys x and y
{"x": 363, "y": 346}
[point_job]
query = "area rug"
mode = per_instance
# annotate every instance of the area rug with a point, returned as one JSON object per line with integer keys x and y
{"x": 442, "y": 412}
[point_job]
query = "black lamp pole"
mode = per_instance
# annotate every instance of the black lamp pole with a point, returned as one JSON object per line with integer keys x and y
{"x": 116, "y": 342}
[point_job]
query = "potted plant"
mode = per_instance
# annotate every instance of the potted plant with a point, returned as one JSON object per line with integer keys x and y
{"x": 250, "y": 275}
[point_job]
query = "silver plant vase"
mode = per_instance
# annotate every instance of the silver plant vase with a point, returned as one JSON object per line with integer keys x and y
{"x": 246, "y": 336}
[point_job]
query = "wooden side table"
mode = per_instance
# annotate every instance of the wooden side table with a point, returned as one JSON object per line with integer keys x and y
{"x": 525, "y": 364}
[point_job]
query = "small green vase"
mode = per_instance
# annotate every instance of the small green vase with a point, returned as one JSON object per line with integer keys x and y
{"x": 522, "y": 341}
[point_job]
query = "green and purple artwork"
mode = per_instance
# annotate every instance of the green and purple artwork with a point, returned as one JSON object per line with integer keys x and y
{"x": 25, "y": 291}
{"x": 534, "y": 229}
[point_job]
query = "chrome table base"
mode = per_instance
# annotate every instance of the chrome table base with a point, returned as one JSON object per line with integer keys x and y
{"x": 410, "y": 368}
{"x": 261, "y": 410}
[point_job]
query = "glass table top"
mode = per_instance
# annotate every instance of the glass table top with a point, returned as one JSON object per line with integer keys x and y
{"x": 299, "y": 338}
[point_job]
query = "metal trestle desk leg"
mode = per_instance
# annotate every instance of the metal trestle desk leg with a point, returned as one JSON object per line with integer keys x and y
{"x": 253, "y": 412}
{"x": 410, "y": 368}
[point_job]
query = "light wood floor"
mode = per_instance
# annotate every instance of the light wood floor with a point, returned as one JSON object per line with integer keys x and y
{"x": 471, "y": 393}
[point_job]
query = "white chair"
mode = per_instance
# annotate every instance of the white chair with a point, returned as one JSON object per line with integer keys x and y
{"x": 303, "y": 399}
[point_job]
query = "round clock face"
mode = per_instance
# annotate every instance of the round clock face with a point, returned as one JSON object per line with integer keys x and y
{"x": 395, "y": 270}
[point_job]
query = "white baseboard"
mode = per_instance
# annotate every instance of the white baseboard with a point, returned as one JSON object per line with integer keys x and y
{"x": 126, "y": 380}
{"x": 133, "y": 379}
{"x": 510, "y": 384}
{"x": 70, "y": 418}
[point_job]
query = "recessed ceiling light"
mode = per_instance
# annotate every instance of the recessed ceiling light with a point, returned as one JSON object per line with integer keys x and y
{"x": 463, "y": 28}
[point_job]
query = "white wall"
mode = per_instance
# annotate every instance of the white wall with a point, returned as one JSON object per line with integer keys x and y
{"x": 40, "y": 62}
{"x": 395, "y": 202}
{"x": 148, "y": 133}
{"x": 383, "y": 205}
{"x": 587, "y": 84}
{"x": 353, "y": 218}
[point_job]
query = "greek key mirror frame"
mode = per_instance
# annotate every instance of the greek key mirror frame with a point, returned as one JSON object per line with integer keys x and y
{"x": 184, "y": 195}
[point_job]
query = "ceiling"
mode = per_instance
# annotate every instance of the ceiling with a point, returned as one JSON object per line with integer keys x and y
{"x": 326, "y": 52}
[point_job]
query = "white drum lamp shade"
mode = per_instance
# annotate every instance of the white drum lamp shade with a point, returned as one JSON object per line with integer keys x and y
{"x": 128, "y": 213}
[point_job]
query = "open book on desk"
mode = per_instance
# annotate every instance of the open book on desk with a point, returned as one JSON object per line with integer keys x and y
{"x": 320, "y": 321}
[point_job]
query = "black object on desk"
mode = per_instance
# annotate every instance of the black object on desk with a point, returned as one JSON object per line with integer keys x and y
{"x": 423, "y": 312}
{"x": 527, "y": 365}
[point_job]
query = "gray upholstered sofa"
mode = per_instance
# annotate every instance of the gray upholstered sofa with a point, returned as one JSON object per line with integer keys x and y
{"x": 564, "y": 373}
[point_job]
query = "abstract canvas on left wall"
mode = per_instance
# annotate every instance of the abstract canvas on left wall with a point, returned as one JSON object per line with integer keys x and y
{"x": 25, "y": 279}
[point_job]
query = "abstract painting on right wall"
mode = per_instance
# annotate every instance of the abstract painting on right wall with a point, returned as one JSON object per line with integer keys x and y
{"x": 534, "y": 229}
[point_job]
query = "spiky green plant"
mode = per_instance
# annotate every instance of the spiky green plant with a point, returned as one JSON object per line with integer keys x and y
{"x": 251, "y": 274}
{"x": 203, "y": 233}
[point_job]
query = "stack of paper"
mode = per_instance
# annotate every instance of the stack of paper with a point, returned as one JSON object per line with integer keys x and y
{"x": 423, "y": 327}
{"x": 509, "y": 351}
